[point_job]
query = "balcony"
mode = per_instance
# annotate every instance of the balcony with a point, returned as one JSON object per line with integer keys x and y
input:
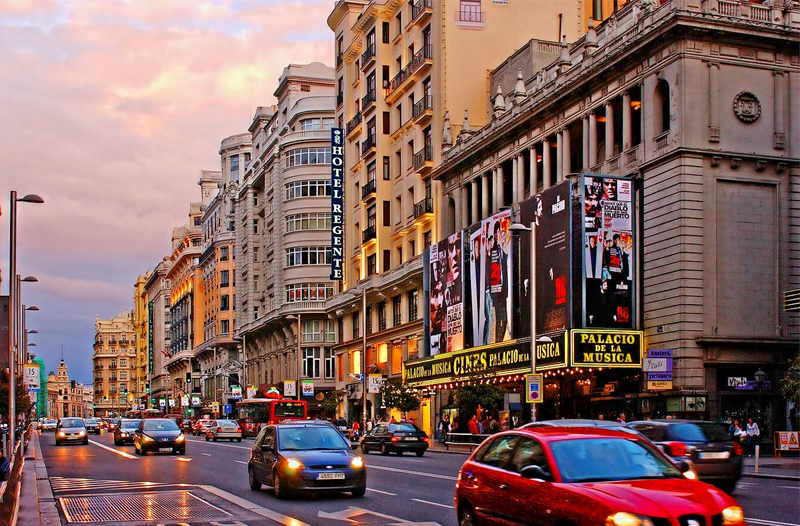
{"x": 423, "y": 160}
{"x": 632, "y": 157}
{"x": 368, "y": 57}
{"x": 368, "y": 235}
{"x": 661, "y": 141}
{"x": 339, "y": 99}
{"x": 368, "y": 190}
{"x": 471, "y": 17}
{"x": 368, "y": 147}
{"x": 423, "y": 208}
{"x": 423, "y": 110}
{"x": 354, "y": 123}
{"x": 421, "y": 11}
{"x": 368, "y": 101}
{"x": 419, "y": 63}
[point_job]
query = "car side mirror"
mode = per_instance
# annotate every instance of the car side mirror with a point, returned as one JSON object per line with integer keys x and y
{"x": 535, "y": 473}
{"x": 683, "y": 466}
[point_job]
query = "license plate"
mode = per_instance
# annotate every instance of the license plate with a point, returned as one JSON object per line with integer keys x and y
{"x": 165, "y": 450}
{"x": 330, "y": 476}
{"x": 722, "y": 455}
{"x": 410, "y": 438}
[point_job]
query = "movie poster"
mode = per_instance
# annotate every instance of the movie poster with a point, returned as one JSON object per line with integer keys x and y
{"x": 608, "y": 252}
{"x": 476, "y": 273}
{"x": 447, "y": 292}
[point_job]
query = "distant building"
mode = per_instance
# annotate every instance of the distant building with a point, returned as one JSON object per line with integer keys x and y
{"x": 157, "y": 295}
{"x": 114, "y": 363}
{"x": 67, "y": 398}
{"x": 140, "y": 318}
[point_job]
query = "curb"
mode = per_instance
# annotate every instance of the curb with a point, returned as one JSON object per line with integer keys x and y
{"x": 771, "y": 476}
{"x": 48, "y": 512}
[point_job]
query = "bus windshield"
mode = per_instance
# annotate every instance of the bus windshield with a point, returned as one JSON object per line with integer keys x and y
{"x": 289, "y": 409}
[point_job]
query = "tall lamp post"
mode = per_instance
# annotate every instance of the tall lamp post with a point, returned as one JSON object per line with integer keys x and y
{"x": 299, "y": 352}
{"x": 363, "y": 295}
{"x": 24, "y": 353}
{"x": 760, "y": 377}
{"x": 12, "y": 299}
{"x": 519, "y": 228}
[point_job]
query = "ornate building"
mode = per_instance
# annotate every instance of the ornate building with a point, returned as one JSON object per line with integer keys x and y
{"x": 114, "y": 363}
{"x": 65, "y": 397}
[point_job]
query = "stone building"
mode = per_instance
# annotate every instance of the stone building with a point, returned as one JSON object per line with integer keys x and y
{"x": 157, "y": 295}
{"x": 140, "y": 320}
{"x": 700, "y": 103}
{"x": 114, "y": 362}
{"x": 67, "y": 398}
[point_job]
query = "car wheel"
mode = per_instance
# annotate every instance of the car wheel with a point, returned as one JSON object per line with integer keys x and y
{"x": 399, "y": 452}
{"x": 255, "y": 485}
{"x": 466, "y": 517}
{"x": 215, "y": 439}
{"x": 384, "y": 449}
{"x": 420, "y": 453}
{"x": 238, "y": 439}
{"x": 279, "y": 486}
{"x": 364, "y": 448}
{"x": 86, "y": 442}
{"x": 206, "y": 438}
{"x": 359, "y": 492}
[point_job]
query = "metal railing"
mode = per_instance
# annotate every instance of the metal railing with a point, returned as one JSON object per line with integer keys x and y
{"x": 368, "y": 99}
{"x": 369, "y": 234}
{"x": 368, "y": 189}
{"x": 423, "y": 156}
{"x": 422, "y": 106}
{"x": 464, "y": 439}
{"x": 353, "y": 123}
{"x": 471, "y": 16}
{"x": 339, "y": 60}
{"x": 368, "y": 144}
{"x": 661, "y": 141}
{"x": 368, "y": 54}
{"x": 423, "y": 207}
{"x": 413, "y": 65}
{"x": 418, "y": 8}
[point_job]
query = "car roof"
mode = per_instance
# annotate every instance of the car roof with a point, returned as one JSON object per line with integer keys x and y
{"x": 304, "y": 423}
{"x": 664, "y": 421}
{"x": 576, "y": 422}
{"x": 558, "y": 433}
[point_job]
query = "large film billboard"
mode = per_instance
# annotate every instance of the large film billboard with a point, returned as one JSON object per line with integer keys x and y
{"x": 447, "y": 295}
{"x": 491, "y": 275}
{"x": 608, "y": 252}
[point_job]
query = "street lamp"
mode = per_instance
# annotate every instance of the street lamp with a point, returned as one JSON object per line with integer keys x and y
{"x": 760, "y": 377}
{"x": 25, "y": 331}
{"x": 12, "y": 299}
{"x": 518, "y": 228}
{"x": 299, "y": 352}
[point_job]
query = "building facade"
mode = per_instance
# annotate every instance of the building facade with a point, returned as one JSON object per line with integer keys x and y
{"x": 715, "y": 173}
{"x": 140, "y": 318}
{"x": 67, "y": 398}
{"x": 114, "y": 362}
{"x": 283, "y": 239}
{"x": 157, "y": 295}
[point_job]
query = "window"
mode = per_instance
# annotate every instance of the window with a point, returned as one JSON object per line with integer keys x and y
{"x": 310, "y": 124}
{"x": 224, "y": 326}
{"x": 231, "y": 226}
{"x": 529, "y": 453}
{"x": 387, "y": 260}
{"x": 307, "y": 156}
{"x": 412, "y": 305}
{"x": 399, "y": 19}
{"x": 396, "y": 313}
{"x": 330, "y": 364}
{"x": 197, "y": 221}
{"x": 355, "y": 318}
{"x": 385, "y": 77}
{"x": 308, "y": 292}
{"x": 196, "y": 242}
{"x": 386, "y": 172}
{"x": 371, "y": 262}
{"x": 399, "y": 114}
{"x": 470, "y": 11}
{"x": 340, "y": 327}
{"x": 387, "y": 213}
{"x": 398, "y": 157}
{"x": 224, "y": 253}
{"x": 498, "y": 452}
{"x": 122, "y": 362}
{"x": 318, "y": 331}
{"x": 224, "y": 302}
{"x": 224, "y": 278}
{"x": 308, "y": 256}
{"x": 382, "y": 317}
{"x": 399, "y": 255}
{"x": 413, "y": 246}
{"x": 386, "y": 123}
{"x": 255, "y": 313}
{"x": 255, "y": 226}
{"x": 426, "y": 236}
{"x": 300, "y": 189}
{"x": 255, "y": 284}
{"x": 318, "y": 221}
{"x": 661, "y": 101}
{"x": 327, "y": 123}
{"x": 371, "y": 171}
{"x": 368, "y": 324}
{"x": 235, "y": 168}
{"x": 255, "y": 201}
{"x": 311, "y": 362}
{"x": 385, "y": 32}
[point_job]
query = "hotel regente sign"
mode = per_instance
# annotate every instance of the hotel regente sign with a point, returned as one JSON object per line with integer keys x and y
{"x": 337, "y": 203}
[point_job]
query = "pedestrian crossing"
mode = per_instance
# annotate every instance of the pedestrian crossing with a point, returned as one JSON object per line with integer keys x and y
{"x": 84, "y": 485}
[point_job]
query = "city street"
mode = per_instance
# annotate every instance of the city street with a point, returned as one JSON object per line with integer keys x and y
{"x": 105, "y": 484}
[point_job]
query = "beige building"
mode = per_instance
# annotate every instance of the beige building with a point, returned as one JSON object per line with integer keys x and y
{"x": 157, "y": 295}
{"x": 700, "y": 103}
{"x": 114, "y": 363}
{"x": 283, "y": 236}
{"x": 140, "y": 320}
{"x": 65, "y": 397}
{"x": 431, "y": 59}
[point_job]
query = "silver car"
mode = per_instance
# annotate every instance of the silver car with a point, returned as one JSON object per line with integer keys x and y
{"x": 71, "y": 430}
{"x": 224, "y": 429}
{"x": 49, "y": 424}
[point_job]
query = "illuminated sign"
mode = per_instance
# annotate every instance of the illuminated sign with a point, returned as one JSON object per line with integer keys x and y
{"x": 337, "y": 203}
{"x": 552, "y": 353}
{"x": 610, "y": 348}
{"x": 150, "y": 357}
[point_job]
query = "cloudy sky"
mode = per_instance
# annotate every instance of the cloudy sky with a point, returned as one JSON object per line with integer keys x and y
{"x": 109, "y": 110}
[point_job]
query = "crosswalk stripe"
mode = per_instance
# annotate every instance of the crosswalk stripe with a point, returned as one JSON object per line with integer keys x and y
{"x": 72, "y": 485}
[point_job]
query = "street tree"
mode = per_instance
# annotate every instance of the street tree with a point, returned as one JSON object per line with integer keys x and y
{"x": 397, "y": 396}
{"x": 22, "y": 400}
{"x": 790, "y": 384}
{"x": 477, "y": 393}
{"x": 330, "y": 404}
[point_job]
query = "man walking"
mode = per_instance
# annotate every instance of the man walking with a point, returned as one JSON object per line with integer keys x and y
{"x": 752, "y": 436}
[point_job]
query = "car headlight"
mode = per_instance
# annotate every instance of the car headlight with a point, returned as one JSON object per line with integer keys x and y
{"x": 82, "y": 433}
{"x": 732, "y": 515}
{"x": 690, "y": 474}
{"x": 294, "y": 464}
{"x": 146, "y": 438}
{"x": 623, "y": 518}
{"x": 180, "y": 438}
{"x": 123, "y": 434}
{"x": 61, "y": 433}
{"x": 357, "y": 462}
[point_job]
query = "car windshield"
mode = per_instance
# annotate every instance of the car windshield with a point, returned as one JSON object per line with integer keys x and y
{"x": 160, "y": 425}
{"x": 303, "y": 438}
{"x": 699, "y": 432}
{"x": 72, "y": 422}
{"x": 129, "y": 424}
{"x": 402, "y": 427}
{"x": 89, "y": 420}
{"x": 49, "y": 421}
{"x": 609, "y": 459}
{"x": 227, "y": 423}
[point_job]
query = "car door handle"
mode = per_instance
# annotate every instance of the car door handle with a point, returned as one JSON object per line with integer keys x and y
{"x": 503, "y": 486}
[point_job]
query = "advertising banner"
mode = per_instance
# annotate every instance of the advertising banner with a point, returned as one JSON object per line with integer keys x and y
{"x": 236, "y": 392}
{"x": 308, "y": 387}
{"x": 552, "y": 353}
{"x": 551, "y": 214}
{"x": 491, "y": 272}
{"x": 447, "y": 295}
{"x": 289, "y": 388}
{"x": 374, "y": 383}
{"x": 608, "y": 252}
{"x": 337, "y": 203}
{"x": 150, "y": 352}
{"x": 184, "y": 401}
{"x": 31, "y": 376}
{"x": 613, "y": 349}
{"x": 195, "y": 401}
{"x": 251, "y": 392}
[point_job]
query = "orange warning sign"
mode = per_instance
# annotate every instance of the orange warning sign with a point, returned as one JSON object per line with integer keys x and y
{"x": 788, "y": 440}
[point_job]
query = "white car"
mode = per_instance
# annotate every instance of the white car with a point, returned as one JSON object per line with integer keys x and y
{"x": 49, "y": 424}
{"x": 229, "y": 429}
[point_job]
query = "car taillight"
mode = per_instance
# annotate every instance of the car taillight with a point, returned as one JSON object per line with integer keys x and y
{"x": 238, "y": 429}
{"x": 737, "y": 449}
{"x": 395, "y": 439}
{"x": 219, "y": 430}
{"x": 675, "y": 449}
{"x": 426, "y": 439}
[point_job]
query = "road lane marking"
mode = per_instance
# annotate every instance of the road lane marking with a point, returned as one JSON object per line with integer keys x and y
{"x": 382, "y": 492}
{"x": 409, "y": 472}
{"x": 253, "y": 507}
{"x": 115, "y": 451}
{"x": 434, "y": 503}
{"x": 789, "y": 487}
{"x": 769, "y": 522}
{"x": 206, "y": 454}
{"x": 218, "y": 444}
{"x": 240, "y": 461}
{"x": 182, "y": 459}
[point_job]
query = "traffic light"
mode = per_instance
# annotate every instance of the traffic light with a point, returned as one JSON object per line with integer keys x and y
{"x": 147, "y": 387}
{"x": 188, "y": 378}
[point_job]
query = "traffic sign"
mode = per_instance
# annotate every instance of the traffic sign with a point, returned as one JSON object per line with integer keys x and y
{"x": 215, "y": 407}
{"x": 226, "y": 409}
{"x": 533, "y": 388}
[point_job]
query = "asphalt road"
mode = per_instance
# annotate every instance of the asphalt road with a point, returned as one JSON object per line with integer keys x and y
{"x": 401, "y": 490}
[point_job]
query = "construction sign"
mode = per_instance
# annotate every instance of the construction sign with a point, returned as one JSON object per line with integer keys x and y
{"x": 787, "y": 441}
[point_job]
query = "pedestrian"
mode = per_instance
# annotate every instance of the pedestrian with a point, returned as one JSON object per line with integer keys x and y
{"x": 473, "y": 425}
{"x": 445, "y": 429}
{"x": 370, "y": 424}
{"x": 735, "y": 431}
{"x": 440, "y": 430}
{"x": 5, "y": 467}
{"x": 752, "y": 436}
{"x": 621, "y": 418}
{"x": 494, "y": 426}
{"x": 600, "y": 416}
{"x": 355, "y": 429}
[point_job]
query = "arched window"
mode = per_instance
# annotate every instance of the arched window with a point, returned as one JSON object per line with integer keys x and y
{"x": 661, "y": 106}
{"x": 451, "y": 216}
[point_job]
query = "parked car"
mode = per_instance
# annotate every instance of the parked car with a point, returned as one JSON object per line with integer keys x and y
{"x": 201, "y": 426}
{"x": 303, "y": 457}
{"x": 92, "y": 425}
{"x": 71, "y": 430}
{"x": 125, "y": 431}
{"x": 713, "y": 455}
{"x": 160, "y": 435}
{"x": 224, "y": 429}
{"x": 397, "y": 438}
{"x": 49, "y": 424}
{"x": 584, "y": 477}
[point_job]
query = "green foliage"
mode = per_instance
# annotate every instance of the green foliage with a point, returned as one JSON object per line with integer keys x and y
{"x": 23, "y": 401}
{"x": 397, "y": 396}
{"x": 468, "y": 398}
{"x": 330, "y": 404}
{"x": 790, "y": 385}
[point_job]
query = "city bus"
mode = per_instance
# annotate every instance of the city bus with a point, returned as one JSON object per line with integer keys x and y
{"x": 139, "y": 414}
{"x": 258, "y": 412}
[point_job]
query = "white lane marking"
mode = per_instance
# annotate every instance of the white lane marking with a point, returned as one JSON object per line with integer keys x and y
{"x": 768, "y": 522}
{"x": 789, "y": 487}
{"x": 206, "y": 454}
{"x": 182, "y": 459}
{"x": 382, "y": 492}
{"x": 434, "y": 503}
{"x": 217, "y": 444}
{"x": 115, "y": 451}
{"x": 409, "y": 472}
{"x": 253, "y": 507}
{"x": 240, "y": 461}
{"x": 209, "y": 504}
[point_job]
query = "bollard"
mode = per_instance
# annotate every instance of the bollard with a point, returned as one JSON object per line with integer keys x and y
{"x": 758, "y": 453}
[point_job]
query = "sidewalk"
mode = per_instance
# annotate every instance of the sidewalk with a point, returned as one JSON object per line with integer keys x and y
{"x": 787, "y": 467}
{"x": 37, "y": 505}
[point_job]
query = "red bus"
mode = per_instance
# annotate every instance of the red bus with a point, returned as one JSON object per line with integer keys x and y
{"x": 258, "y": 412}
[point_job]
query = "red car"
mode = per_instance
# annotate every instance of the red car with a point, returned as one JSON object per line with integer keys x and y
{"x": 584, "y": 477}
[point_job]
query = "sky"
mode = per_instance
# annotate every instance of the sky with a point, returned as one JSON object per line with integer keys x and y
{"x": 109, "y": 110}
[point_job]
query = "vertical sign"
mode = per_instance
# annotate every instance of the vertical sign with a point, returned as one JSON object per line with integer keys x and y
{"x": 150, "y": 338}
{"x": 533, "y": 388}
{"x": 337, "y": 203}
{"x": 608, "y": 252}
{"x": 31, "y": 377}
{"x": 447, "y": 292}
